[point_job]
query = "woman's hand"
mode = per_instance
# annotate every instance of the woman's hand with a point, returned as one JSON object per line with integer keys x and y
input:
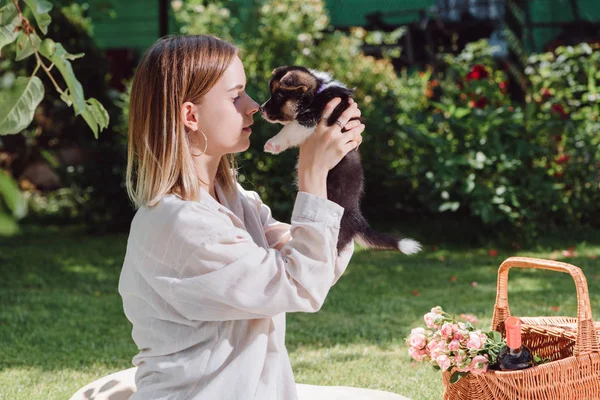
{"x": 326, "y": 147}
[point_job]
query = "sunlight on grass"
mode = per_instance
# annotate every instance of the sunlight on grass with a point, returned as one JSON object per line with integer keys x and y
{"x": 62, "y": 323}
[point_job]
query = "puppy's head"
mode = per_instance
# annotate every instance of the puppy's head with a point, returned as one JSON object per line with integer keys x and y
{"x": 291, "y": 89}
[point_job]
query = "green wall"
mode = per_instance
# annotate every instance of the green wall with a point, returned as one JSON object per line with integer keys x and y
{"x": 136, "y": 25}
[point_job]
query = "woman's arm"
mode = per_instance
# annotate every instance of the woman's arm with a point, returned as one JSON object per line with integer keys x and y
{"x": 278, "y": 233}
{"x": 228, "y": 276}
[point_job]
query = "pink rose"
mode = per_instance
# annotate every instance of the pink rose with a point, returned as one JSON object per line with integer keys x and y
{"x": 433, "y": 343}
{"x": 436, "y": 348}
{"x": 443, "y": 361}
{"x": 446, "y": 330}
{"x": 432, "y": 320}
{"x": 460, "y": 335}
{"x": 474, "y": 342}
{"x": 454, "y": 345}
{"x": 479, "y": 365}
{"x": 416, "y": 354}
{"x": 437, "y": 310}
{"x": 417, "y": 340}
{"x": 469, "y": 317}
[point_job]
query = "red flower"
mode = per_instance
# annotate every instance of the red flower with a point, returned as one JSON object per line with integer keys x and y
{"x": 481, "y": 102}
{"x": 478, "y": 72}
{"x": 493, "y": 253}
{"x": 503, "y": 86}
{"x": 563, "y": 159}
{"x": 560, "y": 111}
{"x": 545, "y": 94}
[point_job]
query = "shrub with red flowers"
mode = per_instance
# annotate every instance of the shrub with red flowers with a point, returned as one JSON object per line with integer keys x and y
{"x": 565, "y": 110}
{"x": 528, "y": 165}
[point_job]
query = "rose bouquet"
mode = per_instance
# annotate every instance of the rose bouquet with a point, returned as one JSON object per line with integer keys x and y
{"x": 449, "y": 344}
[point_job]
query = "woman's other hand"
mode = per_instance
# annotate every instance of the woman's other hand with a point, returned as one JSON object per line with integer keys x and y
{"x": 326, "y": 147}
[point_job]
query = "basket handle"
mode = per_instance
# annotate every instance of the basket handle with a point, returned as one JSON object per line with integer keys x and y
{"x": 587, "y": 341}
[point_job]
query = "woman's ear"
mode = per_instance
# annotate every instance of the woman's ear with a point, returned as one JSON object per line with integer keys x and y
{"x": 189, "y": 116}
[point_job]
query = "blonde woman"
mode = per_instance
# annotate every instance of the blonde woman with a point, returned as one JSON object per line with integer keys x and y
{"x": 209, "y": 275}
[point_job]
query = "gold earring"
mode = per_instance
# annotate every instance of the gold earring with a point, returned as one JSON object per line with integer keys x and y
{"x": 205, "y": 145}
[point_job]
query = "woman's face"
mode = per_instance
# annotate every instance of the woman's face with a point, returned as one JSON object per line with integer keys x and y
{"x": 225, "y": 113}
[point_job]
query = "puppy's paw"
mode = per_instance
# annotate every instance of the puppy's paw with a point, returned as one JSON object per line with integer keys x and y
{"x": 271, "y": 147}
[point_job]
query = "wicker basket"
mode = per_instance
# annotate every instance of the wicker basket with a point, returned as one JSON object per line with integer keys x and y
{"x": 571, "y": 344}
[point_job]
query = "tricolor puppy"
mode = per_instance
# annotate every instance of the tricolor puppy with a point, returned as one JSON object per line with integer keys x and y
{"x": 298, "y": 98}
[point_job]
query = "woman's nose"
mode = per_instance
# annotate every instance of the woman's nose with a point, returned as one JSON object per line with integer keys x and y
{"x": 253, "y": 107}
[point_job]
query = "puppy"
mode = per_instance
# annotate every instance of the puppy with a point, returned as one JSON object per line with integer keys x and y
{"x": 298, "y": 98}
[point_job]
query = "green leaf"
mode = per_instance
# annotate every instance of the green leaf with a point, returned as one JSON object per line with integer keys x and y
{"x": 24, "y": 47}
{"x": 40, "y": 9}
{"x": 74, "y": 56}
{"x": 461, "y": 112}
{"x": 455, "y": 377}
{"x": 10, "y": 192}
{"x": 51, "y": 158}
{"x": 449, "y": 205}
{"x": 56, "y": 53}
{"x": 66, "y": 97}
{"x": 441, "y": 106}
{"x": 8, "y": 225}
{"x": 9, "y": 21}
{"x": 19, "y": 103}
{"x": 495, "y": 336}
{"x": 95, "y": 115}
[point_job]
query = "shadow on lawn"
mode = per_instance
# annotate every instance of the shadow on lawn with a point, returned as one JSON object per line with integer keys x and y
{"x": 61, "y": 309}
{"x": 60, "y": 304}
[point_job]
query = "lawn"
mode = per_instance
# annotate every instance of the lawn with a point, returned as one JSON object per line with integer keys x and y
{"x": 62, "y": 324}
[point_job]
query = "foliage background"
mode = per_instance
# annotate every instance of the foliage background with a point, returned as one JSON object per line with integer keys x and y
{"x": 448, "y": 141}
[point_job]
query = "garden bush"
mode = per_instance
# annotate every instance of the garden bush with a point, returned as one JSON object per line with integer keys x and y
{"x": 531, "y": 165}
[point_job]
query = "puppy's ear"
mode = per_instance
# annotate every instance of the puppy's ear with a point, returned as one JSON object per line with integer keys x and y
{"x": 276, "y": 70}
{"x": 291, "y": 81}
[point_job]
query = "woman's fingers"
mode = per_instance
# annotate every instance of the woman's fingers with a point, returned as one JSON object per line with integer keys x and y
{"x": 350, "y": 113}
{"x": 328, "y": 110}
{"x": 352, "y": 138}
{"x": 352, "y": 124}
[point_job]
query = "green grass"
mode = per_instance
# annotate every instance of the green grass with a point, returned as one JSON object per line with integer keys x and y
{"x": 62, "y": 324}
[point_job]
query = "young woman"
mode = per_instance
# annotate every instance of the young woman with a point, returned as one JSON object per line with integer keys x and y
{"x": 208, "y": 274}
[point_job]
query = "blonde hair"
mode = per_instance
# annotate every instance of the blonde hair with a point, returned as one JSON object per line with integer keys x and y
{"x": 174, "y": 70}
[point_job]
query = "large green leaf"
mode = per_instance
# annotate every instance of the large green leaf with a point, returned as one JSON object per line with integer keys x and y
{"x": 8, "y": 225}
{"x": 24, "y": 47}
{"x": 9, "y": 20}
{"x": 56, "y": 53}
{"x": 18, "y": 104}
{"x": 40, "y": 9}
{"x": 95, "y": 115}
{"x": 11, "y": 194}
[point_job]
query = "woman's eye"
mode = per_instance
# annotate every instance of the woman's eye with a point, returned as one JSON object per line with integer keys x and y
{"x": 236, "y": 99}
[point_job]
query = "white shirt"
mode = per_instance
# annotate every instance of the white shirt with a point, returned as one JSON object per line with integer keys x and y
{"x": 207, "y": 292}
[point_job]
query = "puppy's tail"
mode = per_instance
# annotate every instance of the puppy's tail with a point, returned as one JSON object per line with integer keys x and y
{"x": 368, "y": 237}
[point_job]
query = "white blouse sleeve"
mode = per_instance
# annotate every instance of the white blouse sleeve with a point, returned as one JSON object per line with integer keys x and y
{"x": 228, "y": 276}
{"x": 277, "y": 233}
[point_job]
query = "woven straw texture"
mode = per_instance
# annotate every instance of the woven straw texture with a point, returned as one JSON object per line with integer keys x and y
{"x": 571, "y": 343}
